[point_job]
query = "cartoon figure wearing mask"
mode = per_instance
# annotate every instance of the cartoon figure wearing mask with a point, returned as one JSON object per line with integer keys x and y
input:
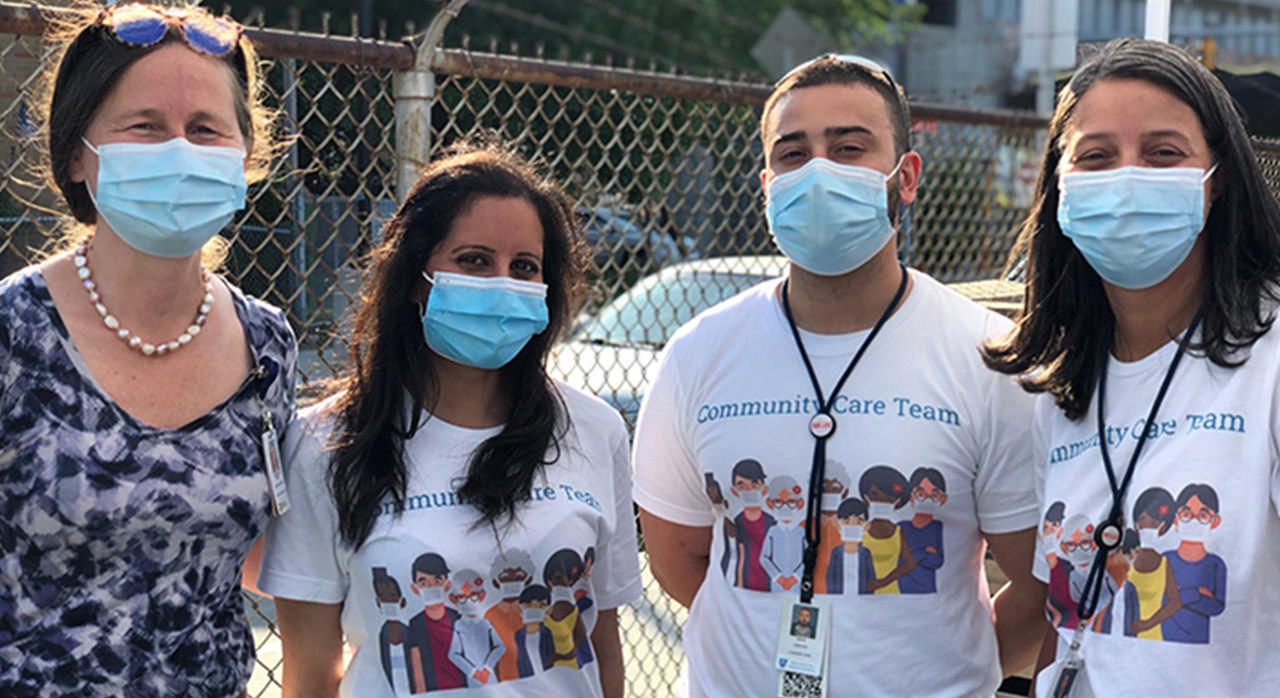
{"x": 1201, "y": 575}
{"x": 923, "y": 532}
{"x": 534, "y": 644}
{"x": 1150, "y": 590}
{"x": 563, "y": 619}
{"x": 1059, "y": 607}
{"x": 431, "y": 630}
{"x": 511, "y": 572}
{"x": 1119, "y": 562}
{"x": 476, "y": 646}
{"x": 391, "y": 638}
{"x": 751, "y": 524}
{"x": 850, "y": 562}
{"x": 582, "y": 589}
{"x": 1080, "y": 551}
{"x": 835, "y": 488}
{"x": 783, "y": 552}
{"x": 885, "y": 491}
{"x": 724, "y": 509}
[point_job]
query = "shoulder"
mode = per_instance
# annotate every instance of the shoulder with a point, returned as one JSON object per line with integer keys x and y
{"x": 266, "y": 322}
{"x": 947, "y": 307}
{"x": 21, "y": 297}
{"x": 727, "y": 319}
{"x": 588, "y": 413}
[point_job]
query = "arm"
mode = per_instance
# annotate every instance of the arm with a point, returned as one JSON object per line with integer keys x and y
{"x": 1172, "y": 604}
{"x": 249, "y": 570}
{"x": 1019, "y": 606}
{"x": 312, "y": 637}
{"x": 1048, "y": 654}
{"x": 1207, "y": 600}
{"x": 766, "y": 556}
{"x": 906, "y": 563}
{"x": 931, "y": 560}
{"x": 608, "y": 648}
{"x": 678, "y": 555}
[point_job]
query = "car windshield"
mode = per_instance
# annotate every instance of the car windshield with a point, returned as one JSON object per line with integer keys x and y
{"x": 652, "y": 310}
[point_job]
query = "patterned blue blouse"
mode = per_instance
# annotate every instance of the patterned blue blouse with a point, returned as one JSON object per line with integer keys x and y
{"x": 120, "y": 543}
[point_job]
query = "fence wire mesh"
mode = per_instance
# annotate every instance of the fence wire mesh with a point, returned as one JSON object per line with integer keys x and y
{"x": 667, "y": 186}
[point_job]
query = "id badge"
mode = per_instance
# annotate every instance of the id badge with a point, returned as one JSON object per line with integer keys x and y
{"x": 804, "y": 633}
{"x": 276, "y": 486}
{"x": 1069, "y": 671}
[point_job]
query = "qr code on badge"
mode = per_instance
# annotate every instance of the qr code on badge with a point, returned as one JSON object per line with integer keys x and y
{"x": 792, "y": 685}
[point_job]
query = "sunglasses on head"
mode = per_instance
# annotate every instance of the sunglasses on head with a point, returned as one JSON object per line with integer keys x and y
{"x": 143, "y": 25}
{"x": 848, "y": 58}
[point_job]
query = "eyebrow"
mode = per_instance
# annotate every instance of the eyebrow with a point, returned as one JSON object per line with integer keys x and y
{"x": 829, "y": 132}
{"x": 156, "y": 114}
{"x": 490, "y": 250}
{"x": 1162, "y": 133}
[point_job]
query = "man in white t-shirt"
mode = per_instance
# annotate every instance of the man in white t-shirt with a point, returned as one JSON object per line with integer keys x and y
{"x": 933, "y": 448}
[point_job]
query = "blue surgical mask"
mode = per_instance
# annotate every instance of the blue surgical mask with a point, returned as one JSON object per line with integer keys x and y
{"x": 168, "y": 199}
{"x": 482, "y": 321}
{"x": 1134, "y": 225}
{"x": 829, "y": 218}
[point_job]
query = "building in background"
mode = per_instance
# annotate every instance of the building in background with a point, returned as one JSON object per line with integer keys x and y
{"x": 992, "y": 53}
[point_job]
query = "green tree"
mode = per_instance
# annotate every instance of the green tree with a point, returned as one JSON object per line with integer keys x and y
{"x": 699, "y": 35}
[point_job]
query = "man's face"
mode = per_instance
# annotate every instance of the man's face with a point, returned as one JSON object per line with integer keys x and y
{"x": 1050, "y": 529}
{"x": 927, "y": 490}
{"x": 535, "y": 603}
{"x": 803, "y": 616}
{"x": 833, "y": 485}
{"x": 742, "y": 484}
{"x": 846, "y": 123}
{"x": 511, "y": 574}
{"x": 422, "y": 580}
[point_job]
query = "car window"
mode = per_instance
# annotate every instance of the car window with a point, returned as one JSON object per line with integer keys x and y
{"x": 652, "y": 310}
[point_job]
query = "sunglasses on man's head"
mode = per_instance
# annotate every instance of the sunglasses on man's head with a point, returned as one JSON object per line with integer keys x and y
{"x": 848, "y": 58}
{"x": 143, "y": 25}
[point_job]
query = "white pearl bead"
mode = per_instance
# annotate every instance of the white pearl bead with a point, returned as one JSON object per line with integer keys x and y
{"x": 111, "y": 322}
{"x": 102, "y": 309}
{"x": 90, "y": 284}
{"x": 148, "y": 349}
{"x": 184, "y": 338}
{"x": 79, "y": 260}
{"x": 83, "y": 272}
{"x": 94, "y": 297}
{"x": 204, "y": 309}
{"x": 208, "y": 299}
{"x": 122, "y": 333}
{"x": 135, "y": 342}
{"x": 161, "y": 349}
{"x": 193, "y": 330}
{"x": 173, "y": 346}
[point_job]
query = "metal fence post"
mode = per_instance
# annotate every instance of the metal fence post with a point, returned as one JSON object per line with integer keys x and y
{"x": 415, "y": 92}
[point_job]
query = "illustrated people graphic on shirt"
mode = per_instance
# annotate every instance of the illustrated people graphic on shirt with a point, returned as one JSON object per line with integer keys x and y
{"x": 582, "y": 588}
{"x": 431, "y": 630}
{"x": 1059, "y": 607}
{"x": 782, "y": 554}
{"x": 391, "y": 637}
{"x": 563, "y": 619}
{"x": 723, "y": 509}
{"x": 1079, "y": 552}
{"x": 885, "y": 491}
{"x": 476, "y": 646}
{"x": 510, "y": 574}
{"x": 1201, "y": 575}
{"x": 534, "y": 644}
{"x": 751, "y": 524}
{"x": 1150, "y": 590}
{"x": 923, "y": 532}
{"x": 835, "y": 488}
{"x": 846, "y": 564}
{"x": 803, "y": 625}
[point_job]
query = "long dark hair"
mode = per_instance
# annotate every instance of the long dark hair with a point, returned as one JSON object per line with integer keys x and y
{"x": 1065, "y": 318}
{"x": 389, "y": 356}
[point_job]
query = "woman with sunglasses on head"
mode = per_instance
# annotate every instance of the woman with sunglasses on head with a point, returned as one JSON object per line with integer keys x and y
{"x": 139, "y": 392}
{"x": 1152, "y": 268}
{"x": 446, "y": 449}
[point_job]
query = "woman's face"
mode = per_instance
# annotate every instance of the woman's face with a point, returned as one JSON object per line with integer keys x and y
{"x": 494, "y": 236}
{"x": 1127, "y": 122}
{"x": 172, "y": 92}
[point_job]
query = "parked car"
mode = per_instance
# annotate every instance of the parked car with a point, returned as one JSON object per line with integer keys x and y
{"x": 620, "y": 239}
{"x": 614, "y": 352}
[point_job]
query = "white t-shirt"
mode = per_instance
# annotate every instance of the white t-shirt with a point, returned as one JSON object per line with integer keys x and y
{"x": 573, "y": 546}
{"x": 1203, "y": 530}
{"x": 920, "y": 412}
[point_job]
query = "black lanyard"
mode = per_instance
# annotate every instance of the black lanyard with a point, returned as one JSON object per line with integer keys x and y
{"x": 1108, "y": 535}
{"x": 822, "y": 426}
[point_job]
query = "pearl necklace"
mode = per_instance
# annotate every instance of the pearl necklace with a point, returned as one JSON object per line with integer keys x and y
{"x": 81, "y": 260}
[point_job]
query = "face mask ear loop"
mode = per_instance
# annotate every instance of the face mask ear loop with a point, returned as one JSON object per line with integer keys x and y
{"x": 422, "y": 305}
{"x": 88, "y": 188}
{"x": 1209, "y": 174}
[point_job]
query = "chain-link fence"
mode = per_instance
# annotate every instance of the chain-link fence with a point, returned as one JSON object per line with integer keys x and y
{"x": 664, "y": 169}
